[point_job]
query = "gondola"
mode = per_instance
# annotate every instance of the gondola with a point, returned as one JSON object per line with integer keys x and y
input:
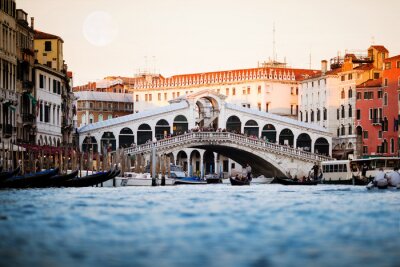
{"x": 287, "y": 181}
{"x": 88, "y": 180}
{"x": 56, "y": 180}
{"x": 235, "y": 181}
{"x": 29, "y": 180}
{"x": 9, "y": 174}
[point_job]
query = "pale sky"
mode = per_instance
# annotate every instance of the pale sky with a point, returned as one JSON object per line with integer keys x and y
{"x": 114, "y": 37}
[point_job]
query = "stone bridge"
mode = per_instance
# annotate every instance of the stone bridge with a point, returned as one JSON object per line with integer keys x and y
{"x": 269, "y": 159}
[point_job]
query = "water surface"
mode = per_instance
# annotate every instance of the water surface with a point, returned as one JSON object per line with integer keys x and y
{"x": 207, "y": 225}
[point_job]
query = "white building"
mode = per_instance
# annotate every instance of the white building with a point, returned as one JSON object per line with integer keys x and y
{"x": 269, "y": 89}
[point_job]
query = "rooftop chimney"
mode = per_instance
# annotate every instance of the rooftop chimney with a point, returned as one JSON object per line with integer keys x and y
{"x": 324, "y": 66}
{"x": 32, "y": 23}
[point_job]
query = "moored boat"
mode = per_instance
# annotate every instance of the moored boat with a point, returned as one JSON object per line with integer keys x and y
{"x": 189, "y": 180}
{"x": 213, "y": 179}
{"x": 88, "y": 180}
{"x": 56, "y": 180}
{"x": 9, "y": 174}
{"x": 29, "y": 180}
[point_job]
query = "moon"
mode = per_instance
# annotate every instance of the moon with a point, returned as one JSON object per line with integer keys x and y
{"x": 99, "y": 28}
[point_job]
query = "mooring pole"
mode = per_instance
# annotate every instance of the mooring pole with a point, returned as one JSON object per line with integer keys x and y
{"x": 153, "y": 159}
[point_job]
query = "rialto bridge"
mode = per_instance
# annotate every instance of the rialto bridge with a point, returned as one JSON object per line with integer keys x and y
{"x": 271, "y": 144}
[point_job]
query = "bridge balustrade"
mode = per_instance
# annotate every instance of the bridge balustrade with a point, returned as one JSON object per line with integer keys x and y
{"x": 224, "y": 137}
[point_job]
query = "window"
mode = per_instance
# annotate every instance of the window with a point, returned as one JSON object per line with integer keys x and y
{"x": 173, "y": 95}
{"x": 392, "y": 145}
{"x": 47, "y": 46}
{"x": 159, "y": 96}
{"x": 227, "y": 91}
{"x": 338, "y": 132}
{"x": 368, "y": 95}
{"x": 291, "y": 91}
{"x": 385, "y": 82}
{"x": 380, "y": 134}
{"x": 350, "y": 76}
{"x": 297, "y": 90}
{"x": 100, "y": 118}
{"x": 218, "y": 91}
{"x": 350, "y": 111}
{"x": 301, "y": 116}
{"x": 266, "y": 107}
{"x": 343, "y": 130}
{"x": 233, "y": 91}
{"x": 365, "y": 134}
{"x": 358, "y": 114}
{"x": 259, "y": 106}
{"x": 54, "y": 86}
{"x": 343, "y": 113}
{"x": 291, "y": 109}
{"x": 150, "y": 97}
{"x": 342, "y": 94}
{"x": 365, "y": 149}
{"x": 325, "y": 114}
{"x": 165, "y": 96}
{"x": 338, "y": 114}
{"x": 376, "y": 75}
{"x": 244, "y": 92}
{"x": 137, "y": 98}
{"x": 109, "y": 117}
{"x": 41, "y": 81}
{"x": 358, "y": 95}
{"x": 385, "y": 99}
{"x": 398, "y": 64}
{"x": 343, "y": 78}
{"x": 350, "y": 93}
{"x": 177, "y": 94}
{"x": 146, "y": 97}
{"x": 297, "y": 110}
{"x": 248, "y": 90}
{"x": 380, "y": 94}
{"x": 350, "y": 129}
{"x": 259, "y": 89}
{"x": 388, "y": 65}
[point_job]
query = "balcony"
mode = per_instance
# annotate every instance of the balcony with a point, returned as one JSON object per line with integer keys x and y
{"x": 376, "y": 121}
{"x": 28, "y": 118}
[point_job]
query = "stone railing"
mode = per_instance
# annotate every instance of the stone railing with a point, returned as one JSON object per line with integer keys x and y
{"x": 225, "y": 138}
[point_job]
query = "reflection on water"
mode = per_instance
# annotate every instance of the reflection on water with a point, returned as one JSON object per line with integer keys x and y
{"x": 210, "y": 225}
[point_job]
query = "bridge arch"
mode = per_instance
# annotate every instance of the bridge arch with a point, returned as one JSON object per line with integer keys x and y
{"x": 286, "y": 137}
{"x": 251, "y": 128}
{"x": 89, "y": 142}
{"x": 321, "y": 146}
{"x": 195, "y": 162}
{"x": 269, "y": 132}
{"x": 162, "y": 129}
{"x": 233, "y": 124}
{"x": 126, "y": 137}
{"x": 182, "y": 159}
{"x": 180, "y": 124}
{"x": 108, "y": 141}
{"x": 304, "y": 141}
{"x": 144, "y": 133}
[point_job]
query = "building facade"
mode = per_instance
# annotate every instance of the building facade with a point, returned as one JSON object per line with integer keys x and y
{"x": 334, "y": 94}
{"x": 8, "y": 72}
{"x": 53, "y": 84}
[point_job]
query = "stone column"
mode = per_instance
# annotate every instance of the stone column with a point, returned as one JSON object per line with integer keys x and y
{"x": 216, "y": 165}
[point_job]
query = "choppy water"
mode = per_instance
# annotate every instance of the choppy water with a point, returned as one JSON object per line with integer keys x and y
{"x": 212, "y": 225}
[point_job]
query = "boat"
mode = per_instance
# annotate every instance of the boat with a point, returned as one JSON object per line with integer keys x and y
{"x": 262, "y": 180}
{"x": 288, "y": 181}
{"x": 371, "y": 186}
{"x": 235, "y": 181}
{"x": 56, "y": 180}
{"x": 213, "y": 179}
{"x": 36, "y": 179}
{"x": 356, "y": 171}
{"x": 88, "y": 180}
{"x": 189, "y": 180}
{"x": 9, "y": 174}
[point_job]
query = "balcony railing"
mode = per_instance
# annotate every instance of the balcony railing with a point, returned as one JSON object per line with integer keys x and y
{"x": 376, "y": 121}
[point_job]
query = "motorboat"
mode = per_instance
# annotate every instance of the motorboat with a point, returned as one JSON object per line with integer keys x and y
{"x": 213, "y": 179}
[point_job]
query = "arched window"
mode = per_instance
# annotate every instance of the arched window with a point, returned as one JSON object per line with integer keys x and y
{"x": 350, "y": 93}
{"x": 342, "y": 94}
{"x": 91, "y": 118}
{"x": 301, "y": 116}
{"x": 318, "y": 115}
{"x": 392, "y": 145}
{"x": 343, "y": 113}
{"x": 312, "y": 116}
{"x": 385, "y": 99}
{"x": 306, "y": 119}
{"x": 325, "y": 114}
{"x": 350, "y": 129}
{"x": 350, "y": 111}
{"x": 342, "y": 130}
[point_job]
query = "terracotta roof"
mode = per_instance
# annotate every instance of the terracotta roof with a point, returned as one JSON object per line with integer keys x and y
{"x": 392, "y": 58}
{"x": 371, "y": 83}
{"x": 43, "y": 35}
{"x": 380, "y": 48}
{"x": 368, "y": 66}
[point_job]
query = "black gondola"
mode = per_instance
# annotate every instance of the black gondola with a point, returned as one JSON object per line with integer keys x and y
{"x": 235, "y": 181}
{"x": 57, "y": 180}
{"x": 9, "y": 174}
{"x": 29, "y": 180}
{"x": 88, "y": 180}
{"x": 287, "y": 181}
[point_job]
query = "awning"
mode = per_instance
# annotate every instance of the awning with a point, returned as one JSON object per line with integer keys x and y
{"x": 15, "y": 148}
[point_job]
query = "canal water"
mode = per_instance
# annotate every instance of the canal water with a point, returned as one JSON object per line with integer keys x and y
{"x": 211, "y": 225}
